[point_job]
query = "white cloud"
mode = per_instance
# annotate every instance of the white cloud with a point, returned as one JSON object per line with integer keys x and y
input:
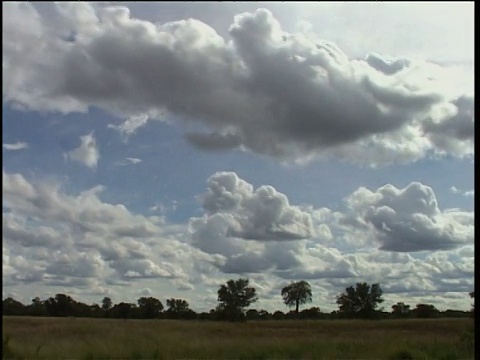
{"x": 468, "y": 193}
{"x": 87, "y": 153}
{"x": 409, "y": 219}
{"x": 128, "y": 161}
{"x": 263, "y": 214}
{"x": 131, "y": 125}
{"x": 87, "y": 246}
{"x": 16, "y": 146}
{"x": 88, "y": 236}
{"x": 267, "y": 90}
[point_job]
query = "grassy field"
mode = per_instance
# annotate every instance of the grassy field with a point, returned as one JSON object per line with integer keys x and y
{"x": 70, "y": 338}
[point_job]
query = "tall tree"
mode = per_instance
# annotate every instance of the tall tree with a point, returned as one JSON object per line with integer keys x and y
{"x": 360, "y": 301}
{"x": 234, "y": 297}
{"x": 296, "y": 294}
{"x": 106, "y": 305}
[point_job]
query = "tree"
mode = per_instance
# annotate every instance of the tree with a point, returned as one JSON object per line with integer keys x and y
{"x": 296, "y": 294}
{"x": 60, "y": 305}
{"x": 177, "y": 305}
{"x": 11, "y": 306}
{"x": 234, "y": 297}
{"x": 37, "y": 307}
{"x": 425, "y": 311}
{"x": 472, "y": 295}
{"x": 123, "y": 310}
{"x": 312, "y": 313}
{"x": 179, "y": 309}
{"x": 361, "y": 301}
{"x": 106, "y": 304}
{"x": 400, "y": 310}
{"x": 150, "y": 307}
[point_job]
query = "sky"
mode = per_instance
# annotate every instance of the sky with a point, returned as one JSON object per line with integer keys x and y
{"x": 161, "y": 149}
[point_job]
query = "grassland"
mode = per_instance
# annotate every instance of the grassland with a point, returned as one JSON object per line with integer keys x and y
{"x": 76, "y": 338}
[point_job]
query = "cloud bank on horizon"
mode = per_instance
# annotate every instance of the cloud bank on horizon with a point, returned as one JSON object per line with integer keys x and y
{"x": 286, "y": 95}
{"x": 99, "y": 243}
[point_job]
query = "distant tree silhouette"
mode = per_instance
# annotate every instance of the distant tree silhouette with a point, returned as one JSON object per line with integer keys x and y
{"x": 149, "y": 308}
{"x": 60, "y": 305}
{"x": 312, "y": 313}
{"x": 425, "y": 311}
{"x": 234, "y": 297}
{"x": 401, "y": 310}
{"x": 12, "y": 307}
{"x": 278, "y": 315}
{"x": 37, "y": 307}
{"x": 296, "y": 294}
{"x": 472, "y": 295}
{"x": 123, "y": 310}
{"x": 179, "y": 309}
{"x": 361, "y": 301}
{"x": 106, "y": 305}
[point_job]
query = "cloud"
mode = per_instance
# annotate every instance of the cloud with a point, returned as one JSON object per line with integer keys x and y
{"x": 409, "y": 219}
{"x": 131, "y": 125}
{"x": 235, "y": 213}
{"x": 87, "y": 153}
{"x": 266, "y": 90}
{"x": 263, "y": 214}
{"x": 17, "y": 146}
{"x": 77, "y": 241}
{"x": 469, "y": 193}
{"x": 128, "y": 161}
{"x": 80, "y": 236}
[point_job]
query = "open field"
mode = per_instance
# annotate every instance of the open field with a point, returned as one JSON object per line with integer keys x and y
{"x": 83, "y": 338}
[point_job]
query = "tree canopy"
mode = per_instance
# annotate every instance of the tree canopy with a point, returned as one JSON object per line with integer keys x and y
{"x": 360, "y": 301}
{"x": 234, "y": 297}
{"x": 296, "y": 294}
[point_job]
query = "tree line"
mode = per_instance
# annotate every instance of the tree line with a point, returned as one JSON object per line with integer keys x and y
{"x": 356, "y": 302}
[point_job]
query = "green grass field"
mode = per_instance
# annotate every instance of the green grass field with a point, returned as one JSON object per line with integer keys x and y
{"x": 71, "y": 338}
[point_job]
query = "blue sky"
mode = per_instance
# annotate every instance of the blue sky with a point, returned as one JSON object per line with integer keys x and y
{"x": 148, "y": 155}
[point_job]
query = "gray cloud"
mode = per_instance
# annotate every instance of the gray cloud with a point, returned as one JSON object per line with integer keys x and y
{"x": 267, "y": 90}
{"x": 456, "y": 133}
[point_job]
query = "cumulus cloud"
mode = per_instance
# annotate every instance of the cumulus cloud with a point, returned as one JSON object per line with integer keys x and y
{"x": 263, "y": 214}
{"x": 87, "y": 153}
{"x": 77, "y": 241}
{"x": 272, "y": 92}
{"x": 409, "y": 219}
{"x": 80, "y": 236}
{"x": 16, "y": 146}
{"x": 235, "y": 212}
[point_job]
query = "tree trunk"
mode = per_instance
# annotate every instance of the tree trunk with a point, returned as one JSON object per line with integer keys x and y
{"x": 296, "y": 308}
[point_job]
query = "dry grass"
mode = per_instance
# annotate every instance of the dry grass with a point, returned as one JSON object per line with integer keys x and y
{"x": 70, "y": 338}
